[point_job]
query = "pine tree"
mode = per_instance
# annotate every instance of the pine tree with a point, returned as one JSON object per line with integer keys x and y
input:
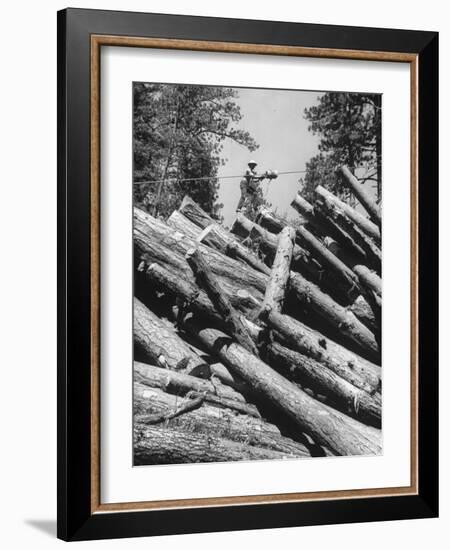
{"x": 178, "y": 135}
{"x": 349, "y": 126}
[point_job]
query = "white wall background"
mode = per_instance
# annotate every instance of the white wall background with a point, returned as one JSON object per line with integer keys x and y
{"x": 28, "y": 272}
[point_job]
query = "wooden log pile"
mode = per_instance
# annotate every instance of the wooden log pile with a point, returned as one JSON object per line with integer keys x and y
{"x": 258, "y": 342}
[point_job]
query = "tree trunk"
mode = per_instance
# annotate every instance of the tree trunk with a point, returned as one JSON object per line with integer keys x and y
{"x": 216, "y": 237}
{"x": 182, "y": 384}
{"x": 362, "y": 310}
{"x": 363, "y": 196}
{"x": 155, "y": 445}
{"x": 209, "y": 419}
{"x": 361, "y": 221}
{"x": 279, "y": 276}
{"x": 356, "y": 335}
{"x": 158, "y": 242}
{"x": 352, "y": 233}
{"x": 340, "y": 433}
{"x": 222, "y": 304}
{"x": 160, "y": 342}
{"x": 195, "y": 213}
{"x": 340, "y": 393}
{"x": 268, "y": 242}
{"x": 342, "y": 274}
{"x": 349, "y": 366}
{"x": 369, "y": 279}
{"x": 180, "y": 223}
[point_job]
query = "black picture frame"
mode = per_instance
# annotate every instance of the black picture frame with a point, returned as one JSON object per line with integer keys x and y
{"x": 76, "y": 521}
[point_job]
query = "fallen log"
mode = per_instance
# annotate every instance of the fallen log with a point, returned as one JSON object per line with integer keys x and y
{"x": 347, "y": 365}
{"x": 180, "y": 223}
{"x": 342, "y": 274}
{"x": 350, "y": 235}
{"x": 362, "y": 195}
{"x": 355, "y": 333}
{"x": 279, "y": 276}
{"x": 216, "y": 237}
{"x": 339, "y": 433}
{"x": 191, "y": 210}
{"x": 363, "y": 311}
{"x": 155, "y": 241}
{"x": 222, "y": 304}
{"x": 368, "y": 278}
{"x": 311, "y": 374}
{"x": 159, "y": 341}
{"x": 361, "y": 221}
{"x": 152, "y": 404}
{"x": 182, "y": 384}
{"x": 267, "y": 242}
{"x": 353, "y": 368}
{"x": 155, "y": 445}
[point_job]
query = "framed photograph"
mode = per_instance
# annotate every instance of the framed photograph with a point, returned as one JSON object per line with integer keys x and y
{"x": 247, "y": 254}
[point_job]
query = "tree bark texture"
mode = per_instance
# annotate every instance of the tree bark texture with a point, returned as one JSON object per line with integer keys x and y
{"x": 217, "y": 237}
{"x": 351, "y": 236}
{"x": 349, "y": 366}
{"x": 195, "y": 213}
{"x": 362, "y": 195}
{"x": 222, "y": 304}
{"x": 311, "y": 374}
{"x": 350, "y": 328}
{"x": 341, "y": 434}
{"x": 157, "y": 242}
{"x": 180, "y": 383}
{"x": 279, "y": 276}
{"x": 370, "y": 228}
{"x": 154, "y": 406}
{"x": 159, "y": 341}
{"x": 156, "y": 445}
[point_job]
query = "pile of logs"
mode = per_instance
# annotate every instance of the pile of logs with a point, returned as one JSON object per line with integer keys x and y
{"x": 262, "y": 341}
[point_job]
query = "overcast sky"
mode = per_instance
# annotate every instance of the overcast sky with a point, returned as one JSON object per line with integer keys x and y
{"x": 275, "y": 120}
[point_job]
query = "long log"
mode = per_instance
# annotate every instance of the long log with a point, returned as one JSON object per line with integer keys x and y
{"x": 183, "y": 384}
{"x": 195, "y": 213}
{"x": 347, "y": 249}
{"x": 155, "y": 445}
{"x": 313, "y": 298}
{"x": 353, "y": 368}
{"x": 362, "y": 195}
{"x": 281, "y": 266}
{"x": 180, "y": 223}
{"x": 311, "y": 374}
{"x": 361, "y": 221}
{"x": 268, "y": 242}
{"x": 152, "y": 403}
{"x": 160, "y": 342}
{"x": 333, "y": 314}
{"x": 343, "y": 275}
{"x": 158, "y": 242}
{"x": 206, "y": 280}
{"x": 341, "y": 434}
{"x": 368, "y": 278}
{"x": 216, "y": 237}
{"x": 349, "y": 234}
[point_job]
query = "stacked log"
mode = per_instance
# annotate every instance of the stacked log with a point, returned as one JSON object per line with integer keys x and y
{"x": 262, "y": 342}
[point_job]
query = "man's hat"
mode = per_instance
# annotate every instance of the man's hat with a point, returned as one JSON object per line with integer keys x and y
{"x": 252, "y": 164}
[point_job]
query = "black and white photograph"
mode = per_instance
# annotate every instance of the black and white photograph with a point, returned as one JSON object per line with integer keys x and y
{"x": 257, "y": 274}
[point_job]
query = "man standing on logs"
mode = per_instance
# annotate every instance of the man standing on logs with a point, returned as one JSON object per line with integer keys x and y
{"x": 248, "y": 204}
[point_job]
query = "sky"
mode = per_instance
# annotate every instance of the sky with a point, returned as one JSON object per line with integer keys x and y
{"x": 274, "y": 118}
